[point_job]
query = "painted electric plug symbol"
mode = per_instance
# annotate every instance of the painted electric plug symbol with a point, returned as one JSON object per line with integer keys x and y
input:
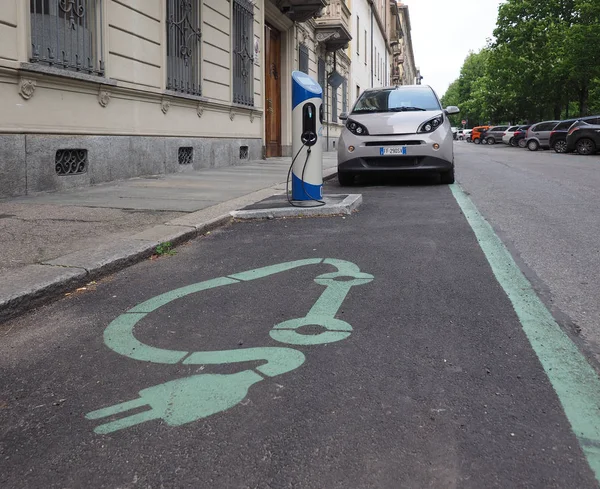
{"x": 183, "y": 401}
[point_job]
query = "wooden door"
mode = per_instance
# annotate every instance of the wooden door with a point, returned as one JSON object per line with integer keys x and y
{"x": 272, "y": 92}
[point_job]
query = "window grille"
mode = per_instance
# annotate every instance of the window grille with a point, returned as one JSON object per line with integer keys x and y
{"x": 67, "y": 34}
{"x": 71, "y": 161}
{"x": 303, "y": 58}
{"x": 243, "y": 58}
{"x": 183, "y": 46}
{"x": 186, "y": 155}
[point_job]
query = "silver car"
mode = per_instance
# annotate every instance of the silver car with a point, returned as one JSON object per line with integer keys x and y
{"x": 399, "y": 129}
{"x": 538, "y": 135}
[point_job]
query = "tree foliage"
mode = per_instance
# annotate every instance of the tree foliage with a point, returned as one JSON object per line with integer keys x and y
{"x": 543, "y": 64}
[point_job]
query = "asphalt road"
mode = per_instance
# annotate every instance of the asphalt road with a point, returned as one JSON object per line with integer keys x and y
{"x": 546, "y": 208}
{"x": 422, "y": 376}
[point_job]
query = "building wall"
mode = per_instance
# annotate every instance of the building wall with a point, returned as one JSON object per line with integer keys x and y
{"x": 408, "y": 70}
{"x": 369, "y": 64}
{"x": 131, "y": 100}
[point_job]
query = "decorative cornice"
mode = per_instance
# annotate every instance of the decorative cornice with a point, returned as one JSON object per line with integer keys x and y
{"x": 27, "y": 88}
{"x": 200, "y": 109}
{"x": 231, "y": 114}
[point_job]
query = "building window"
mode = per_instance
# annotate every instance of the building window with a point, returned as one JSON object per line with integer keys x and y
{"x": 243, "y": 57}
{"x": 357, "y": 92}
{"x": 183, "y": 46}
{"x": 345, "y": 96}
{"x": 321, "y": 73}
{"x": 366, "y": 56}
{"x": 334, "y": 104}
{"x": 358, "y": 36}
{"x": 303, "y": 58}
{"x": 67, "y": 34}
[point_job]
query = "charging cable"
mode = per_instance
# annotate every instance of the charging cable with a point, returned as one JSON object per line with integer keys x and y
{"x": 320, "y": 203}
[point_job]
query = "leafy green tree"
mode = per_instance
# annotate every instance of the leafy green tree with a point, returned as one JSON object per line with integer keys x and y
{"x": 544, "y": 63}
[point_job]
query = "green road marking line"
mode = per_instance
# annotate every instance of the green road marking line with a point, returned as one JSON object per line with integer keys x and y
{"x": 163, "y": 299}
{"x": 185, "y": 400}
{"x": 273, "y": 269}
{"x": 118, "y": 336}
{"x": 279, "y": 360}
{"x": 572, "y": 377}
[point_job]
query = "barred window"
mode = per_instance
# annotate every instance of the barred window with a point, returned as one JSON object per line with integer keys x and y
{"x": 67, "y": 34}
{"x": 243, "y": 57}
{"x": 345, "y": 96}
{"x": 303, "y": 58}
{"x": 183, "y": 46}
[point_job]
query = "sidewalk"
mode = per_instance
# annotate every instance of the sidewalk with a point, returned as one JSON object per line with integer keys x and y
{"x": 56, "y": 241}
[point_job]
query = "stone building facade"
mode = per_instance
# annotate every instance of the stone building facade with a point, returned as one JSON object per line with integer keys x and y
{"x": 93, "y": 91}
{"x": 404, "y": 71}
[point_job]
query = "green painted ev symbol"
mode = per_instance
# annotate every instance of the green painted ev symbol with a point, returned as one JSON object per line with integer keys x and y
{"x": 186, "y": 400}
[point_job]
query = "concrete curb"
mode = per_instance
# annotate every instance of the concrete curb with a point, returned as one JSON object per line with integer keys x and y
{"x": 345, "y": 207}
{"x": 34, "y": 285}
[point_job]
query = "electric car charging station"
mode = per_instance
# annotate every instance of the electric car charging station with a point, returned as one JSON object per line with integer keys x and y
{"x": 306, "y": 169}
{"x": 307, "y": 149}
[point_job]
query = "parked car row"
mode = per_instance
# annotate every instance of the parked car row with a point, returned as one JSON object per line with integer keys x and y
{"x": 581, "y": 135}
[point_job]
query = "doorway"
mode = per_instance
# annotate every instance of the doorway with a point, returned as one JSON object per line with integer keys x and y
{"x": 272, "y": 92}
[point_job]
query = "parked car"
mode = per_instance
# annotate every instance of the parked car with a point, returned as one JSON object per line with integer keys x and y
{"x": 476, "y": 133}
{"x": 397, "y": 130}
{"x": 558, "y": 136}
{"x": 509, "y": 134}
{"x": 538, "y": 135}
{"x": 466, "y": 135}
{"x": 520, "y": 136}
{"x": 494, "y": 134}
{"x": 454, "y": 132}
{"x": 584, "y": 138}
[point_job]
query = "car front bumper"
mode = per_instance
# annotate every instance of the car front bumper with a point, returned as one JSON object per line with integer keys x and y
{"x": 420, "y": 153}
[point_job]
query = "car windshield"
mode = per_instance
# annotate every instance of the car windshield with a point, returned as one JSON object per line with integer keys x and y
{"x": 397, "y": 100}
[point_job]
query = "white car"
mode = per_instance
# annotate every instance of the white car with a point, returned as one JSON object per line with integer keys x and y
{"x": 508, "y": 134}
{"x": 401, "y": 129}
{"x": 463, "y": 134}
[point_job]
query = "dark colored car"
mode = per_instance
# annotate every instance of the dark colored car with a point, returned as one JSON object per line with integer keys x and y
{"x": 583, "y": 138}
{"x": 558, "y": 136}
{"x": 495, "y": 134}
{"x": 520, "y": 137}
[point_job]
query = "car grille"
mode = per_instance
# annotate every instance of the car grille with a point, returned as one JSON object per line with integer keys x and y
{"x": 393, "y": 143}
{"x": 392, "y": 162}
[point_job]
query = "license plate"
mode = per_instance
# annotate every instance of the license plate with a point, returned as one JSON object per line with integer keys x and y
{"x": 394, "y": 150}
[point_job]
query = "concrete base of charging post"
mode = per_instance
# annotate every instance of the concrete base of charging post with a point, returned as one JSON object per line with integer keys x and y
{"x": 278, "y": 206}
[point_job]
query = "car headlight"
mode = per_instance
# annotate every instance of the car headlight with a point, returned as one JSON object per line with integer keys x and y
{"x": 431, "y": 125}
{"x": 356, "y": 128}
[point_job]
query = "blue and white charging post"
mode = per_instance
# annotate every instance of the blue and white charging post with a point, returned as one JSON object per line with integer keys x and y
{"x": 307, "y": 128}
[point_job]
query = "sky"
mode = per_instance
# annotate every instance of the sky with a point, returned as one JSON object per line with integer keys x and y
{"x": 444, "y": 31}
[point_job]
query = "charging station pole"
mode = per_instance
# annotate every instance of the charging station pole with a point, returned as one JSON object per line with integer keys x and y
{"x": 307, "y": 129}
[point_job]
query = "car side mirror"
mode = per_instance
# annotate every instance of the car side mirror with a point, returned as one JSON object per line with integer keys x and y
{"x": 343, "y": 116}
{"x": 452, "y": 109}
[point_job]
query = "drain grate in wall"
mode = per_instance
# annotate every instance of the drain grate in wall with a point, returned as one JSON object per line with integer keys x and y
{"x": 71, "y": 161}
{"x": 244, "y": 152}
{"x": 186, "y": 155}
